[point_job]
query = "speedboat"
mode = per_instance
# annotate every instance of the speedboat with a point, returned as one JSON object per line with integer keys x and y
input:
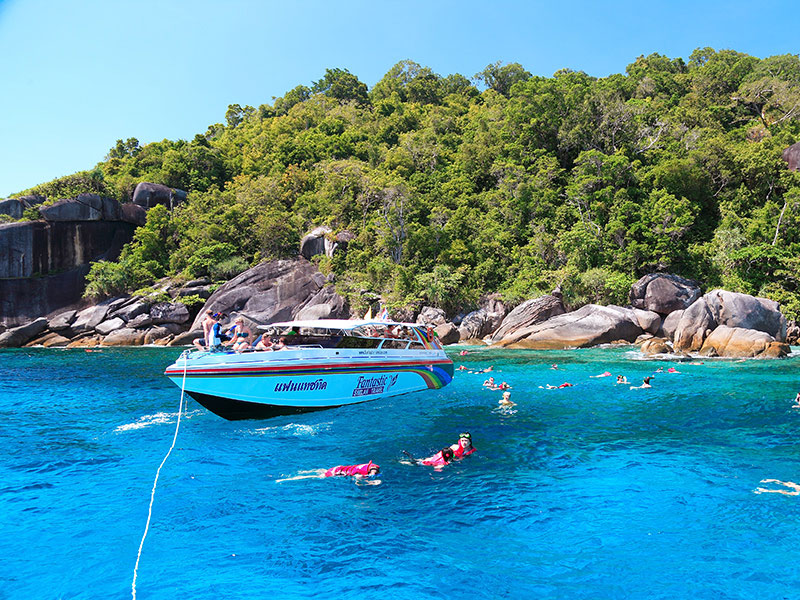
{"x": 321, "y": 364}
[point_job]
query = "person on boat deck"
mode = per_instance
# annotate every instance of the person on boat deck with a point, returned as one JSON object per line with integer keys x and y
{"x": 280, "y": 344}
{"x": 240, "y": 335}
{"x": 215, "y": 334}
{"x": 440, "y": 459}
{"x": 263, "y": 343}
{"x": 208, "y": 321}
{"x": 463, "y": 447}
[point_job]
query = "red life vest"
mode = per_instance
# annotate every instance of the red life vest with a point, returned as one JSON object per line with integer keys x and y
{"x": 460, "y": 453}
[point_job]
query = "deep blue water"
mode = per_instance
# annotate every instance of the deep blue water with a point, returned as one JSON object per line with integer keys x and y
{"x": 594, "y": 491}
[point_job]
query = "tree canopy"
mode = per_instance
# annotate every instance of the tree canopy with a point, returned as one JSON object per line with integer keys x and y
{"x": 451, "y": 191}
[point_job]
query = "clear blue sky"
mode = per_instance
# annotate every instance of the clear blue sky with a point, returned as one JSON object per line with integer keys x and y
{"x": 76, "y": 76}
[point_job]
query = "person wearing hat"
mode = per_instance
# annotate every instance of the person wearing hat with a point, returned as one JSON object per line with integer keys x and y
{"x": 216, "y": 337}
{"x": 463, "y": 447}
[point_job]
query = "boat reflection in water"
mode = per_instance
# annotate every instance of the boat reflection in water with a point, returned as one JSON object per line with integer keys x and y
{"x": 325, "y": 364}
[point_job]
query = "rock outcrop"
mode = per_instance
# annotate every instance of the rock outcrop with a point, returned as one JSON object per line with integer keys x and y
{"x": 736, "y": 342}
{"x": 43, "y": 263}
{"x": 792, "y": 156}
{"x": 528, "y": 314}
{"x": 147, "y": 195}
{"x": 722, "y": 308}
{"x": 590, "y": 325}
{"x": 485, "y": 320}
{"x": 431, "y": 316}
{"x": 19, "y": 336}
{"x": 664, "y": 293}
{"x": 276, "y": 291}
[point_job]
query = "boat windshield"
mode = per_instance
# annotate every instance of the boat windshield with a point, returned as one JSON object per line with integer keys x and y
{"x": 394, "y": 336}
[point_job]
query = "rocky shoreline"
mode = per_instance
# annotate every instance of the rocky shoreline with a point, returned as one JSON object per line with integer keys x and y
{"x": 667, "y": 315}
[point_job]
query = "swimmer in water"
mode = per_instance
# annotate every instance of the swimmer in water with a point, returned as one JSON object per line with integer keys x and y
{"x": 622, "y": 379}
{"x": 506, "y": 400}
{"x": 606, "y": 374}
{"x": 463, "y": 447}
{"x": 359, "y": 473}
{"x": 440, "y": 459}
{"x": 556, "y": 387}
{"x": 672, "y": 370}
{"x": 794, "y": 489}
{"x": 645, "y": 384}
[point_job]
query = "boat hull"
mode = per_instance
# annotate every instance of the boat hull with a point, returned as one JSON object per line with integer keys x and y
{"x": 263, "y": 385}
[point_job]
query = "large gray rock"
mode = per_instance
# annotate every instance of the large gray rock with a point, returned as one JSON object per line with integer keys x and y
{"x": 315, "y": 242}
{"x": 431, "y": 316}
{"x": 140, "y": 321}
{"x": 792, "y": 156}
{"x": 133, "y": 213}
{"x": 131, "y": 311}
{"x": 37, "y": 247}
{"x": 447, "y": 333}
{"x": 729, "y": 309}
{"x": 664, "y": 293}
{"x": 670, "y": 324}
{"x": 588, "y": 326}
{"x": 49, "y": 340}
{"x": 89, "y": 318}
{"x": 62, "y": 321}
{"x": 736, "y": 342}
{"x": 107, "y": 327}
{"x": 12, "y": 207}
{"x": 85, "y": 207}
{"x": 124, "y": 337}
{"x": 529, "y": 313}
{"x": 148, "y": 195}
{"x": 275, "y": 291}
{"x": 649, "y": 321}
{"x": 19, "y": 336}
{"x": 325, "y": 304}
{"x": 169, "y": 312}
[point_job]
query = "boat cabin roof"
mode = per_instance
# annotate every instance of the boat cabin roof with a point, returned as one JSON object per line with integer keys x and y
{"x": 343, "y": 324}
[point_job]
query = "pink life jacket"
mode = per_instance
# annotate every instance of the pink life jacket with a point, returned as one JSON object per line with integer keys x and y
{"x": 350, "y": 470}
{"x": 437, "y": 460}
{"x": 459, "y": 452}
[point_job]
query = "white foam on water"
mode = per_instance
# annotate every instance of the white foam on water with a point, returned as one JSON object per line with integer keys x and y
{"x": 292, "y": 429}
{"x": 155, "y": 419}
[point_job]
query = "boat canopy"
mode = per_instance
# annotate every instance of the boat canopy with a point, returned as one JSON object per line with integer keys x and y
{"x": 343, "y": 324}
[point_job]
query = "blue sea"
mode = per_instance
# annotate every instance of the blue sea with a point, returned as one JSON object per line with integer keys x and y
{"x": 592, "y": 491}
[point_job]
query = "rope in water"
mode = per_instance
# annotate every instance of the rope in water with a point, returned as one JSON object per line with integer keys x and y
{"x": 155, "y": 483}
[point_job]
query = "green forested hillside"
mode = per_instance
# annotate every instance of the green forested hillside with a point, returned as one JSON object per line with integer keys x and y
{"x": 452, "y": 192}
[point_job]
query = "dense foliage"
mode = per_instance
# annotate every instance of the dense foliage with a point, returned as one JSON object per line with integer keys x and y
{"x": 452, "y": 192}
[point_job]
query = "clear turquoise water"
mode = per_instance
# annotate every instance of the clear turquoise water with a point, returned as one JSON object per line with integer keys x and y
{"x": 595, "y": 491}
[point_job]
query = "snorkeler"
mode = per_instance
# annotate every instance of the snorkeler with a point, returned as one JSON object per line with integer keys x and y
{"x": 622, "y": 379}
{"x": 793, "y": 491}
{"x": 359, "y": 473}
{"x": 463, "y": 447}
{"x": 604, "y": 374}
{"x": 440, "y": 459}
